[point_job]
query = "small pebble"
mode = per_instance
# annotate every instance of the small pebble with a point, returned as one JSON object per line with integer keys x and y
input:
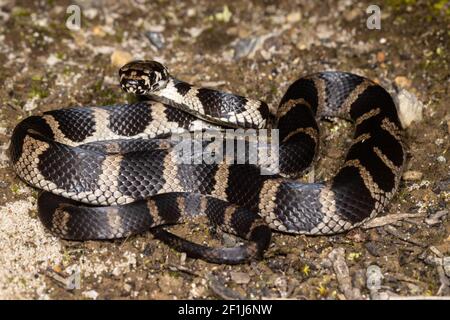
{"x": 244, "y": 47}
{"x": 194, "y": 32}
{"x": 324, "y": 32}
{"x": 228, "y": 240}
{"x": 446, "y": 265}
{"x": 183, "y": 258}
{"x": 350, "y": 15}
{"x": 412, "y": 175}
{"x": 119, "y": 58}
{"x": 98, "y": 31}
{"x": 156, "y": 38}
{"x": 127, "y": 287}
{"x": 294, "y": 17}
{"x": 282, "y": 285}
{"x": 240, "y": 277}
{"x": 381, "y": 56}
{"x": 170, "y": 285}
{"x": 91, "y": 294}
{"x": 90, "y": 13}
{"x": 436, "y": 218}
{"x": 410, "y": 108}
{"x": 116, "y": 272}
{"x": 30, "y": 104}
{"x": 191, "y": 12}
{"x": 402, "y": 81}
{"x": 373, "y": 248}
{"x": 441, "y": 159}
{"x": 52, "y": 60}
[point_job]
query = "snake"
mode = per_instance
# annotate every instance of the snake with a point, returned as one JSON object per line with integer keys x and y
{"x": 107, "y": 172}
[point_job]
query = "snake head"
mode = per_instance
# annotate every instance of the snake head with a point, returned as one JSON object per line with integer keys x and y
{"x": 143, "y": 77}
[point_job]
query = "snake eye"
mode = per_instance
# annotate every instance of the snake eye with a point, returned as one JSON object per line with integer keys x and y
{"x": 153, "y": 77}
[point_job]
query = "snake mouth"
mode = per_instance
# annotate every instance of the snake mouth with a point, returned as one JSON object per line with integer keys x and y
{"x": 134, "y": 86}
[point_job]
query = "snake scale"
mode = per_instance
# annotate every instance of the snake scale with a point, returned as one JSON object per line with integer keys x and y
{"x": 110, "y": 171}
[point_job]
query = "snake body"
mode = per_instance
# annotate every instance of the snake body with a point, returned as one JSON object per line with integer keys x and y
{"x": 111, "y": 171}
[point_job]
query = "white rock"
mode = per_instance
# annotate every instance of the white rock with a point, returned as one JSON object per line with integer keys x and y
{"x": 127, "y": 287}
{"x": 412, "y": 175}
{"x": 52, "y": 60}
{"x": 103, "y": 50}
{"x": 119, "y": 58}
{"x": 294, "y": 17}
{"x": 30, "y": 104}
{"x": 324, "y": 32}
{"x": 410, "y": 108}
{"x": 194, "y": 32}
{"x": 436, "y": 218}
{"x": 90, "y": 13}
{"x": 91, "y": 294}
{"x": 240, "y": 277}
{"x": 441, "y": 159}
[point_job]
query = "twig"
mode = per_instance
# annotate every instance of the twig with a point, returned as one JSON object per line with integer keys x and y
{"x": 212, "y": 84}
{"x": 337, "y": 257}
{"x": 222, "y": 291}
{"x": 183, "y": 269}
{"x": 389, "y": 219}
{"x": 404, "y": 278}
{"x": 15, "y": 108}
{"x": 444, "y": 288}
{"x": 311, "y": 175}
{"x": 436, "y": 218}
{"x": 392, "y": 231}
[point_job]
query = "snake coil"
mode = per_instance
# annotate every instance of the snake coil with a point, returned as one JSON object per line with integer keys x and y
{"x": 111, "y": 171}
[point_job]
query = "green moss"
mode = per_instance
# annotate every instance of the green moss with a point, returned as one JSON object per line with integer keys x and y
{"x": 97, "y": 87}
{"x": 119, "y": 35}
{"x": 400, "y": 3}
{"x": 105, "y": 95}
{"x": 131, "y": 98}
{"x": 66, "y": 70}
{"x": 174, "y": 274}
{"x": 36, "y": 77}
{"x": 14, "y": 188}
{"x": 20, "y": 12}
{"x": 60, "y": 55}
{"x": 434, "y": 6}
{"x": 442, "y": 6}
{"x": 222, "y": 16}
{"x": 109, "y": 96}
{"x": 38, "y": 90}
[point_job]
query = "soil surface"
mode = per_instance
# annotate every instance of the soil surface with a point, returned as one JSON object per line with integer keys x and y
{"x": 256, "y": 49}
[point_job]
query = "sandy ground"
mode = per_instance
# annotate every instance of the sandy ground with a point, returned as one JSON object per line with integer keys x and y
{"x": 253, "y": 48}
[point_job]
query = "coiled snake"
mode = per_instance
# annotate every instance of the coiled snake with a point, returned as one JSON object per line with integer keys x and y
{"x": 111, "y": 171}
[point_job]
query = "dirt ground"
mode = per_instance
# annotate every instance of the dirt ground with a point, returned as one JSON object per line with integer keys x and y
{"x": 254, "y": 48}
